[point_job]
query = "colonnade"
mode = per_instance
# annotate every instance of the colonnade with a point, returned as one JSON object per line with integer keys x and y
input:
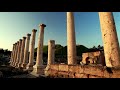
{"x": 21, "y": 57}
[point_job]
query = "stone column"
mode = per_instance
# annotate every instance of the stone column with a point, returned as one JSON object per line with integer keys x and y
{"x": 18, "y": 53}
{"x": 51, "y": 55}
{"x": 26, "y": 52}
{"x": 51, "y": 52}
{"x": 32, "y": 46}
{"x": 12, "y": 53}
{"x": 38, "y": 67}
{"x": 110, "y": 39}
{"x": 71, "y": 41}
{"x": 22, "y": 52}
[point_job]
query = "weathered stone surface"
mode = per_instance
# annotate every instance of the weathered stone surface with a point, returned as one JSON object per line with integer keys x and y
{"x": 54, "y": 72}
{"x": 71, "y": 41}
{"x": 32, "y": 46}
{"x": 71, "y": 75}
{"x": 114, "y": 75}
{"x": 39, "y": 58}
{"x": 62, "y": 74}
{"x": 93, "y": 70}
{"x": 73, "y": 68}
{"x": 83, "y": 76}
{"x": 80, "y": 69}
{"x": 51, "y": 52}
{"x": 110, "y": 39}
{"x": 94, "y": 76}
{"x": 63, "y": 67}
{"x": 54, "y": 67}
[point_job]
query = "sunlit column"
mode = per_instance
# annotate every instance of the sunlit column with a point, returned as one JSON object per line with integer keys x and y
{"x": 14, "y": 52}
{"x": 110, "y": 39}
{"x": 38, "y": 67}
{"x": 26, "y": 51}
{"x": 22, "y": 52}
{"x": 32, "y": 46}
{"x": 18, "y": 53}
{"x": 71, "y": 40}
{"x": 51, "y": 52}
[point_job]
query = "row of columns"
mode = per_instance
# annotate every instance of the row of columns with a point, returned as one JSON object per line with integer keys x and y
{"x": 109, "y": 37}
{"x": 21, "y": 57}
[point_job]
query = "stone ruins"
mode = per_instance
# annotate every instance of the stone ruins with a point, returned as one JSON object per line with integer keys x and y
{"x": 97, "y": 64}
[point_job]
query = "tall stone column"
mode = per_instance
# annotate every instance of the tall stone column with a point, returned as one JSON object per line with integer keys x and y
{"x": 18, "y": 53}
{"x": 110, "y": 39}
{"x": 51, "y": 55}
{"x": 32, "y": 46}
{"x": 26, "y": 52}
{"x": 71, "y": 40}
{"x": 51, "y": 52}
{"x": 22, "y": 52}
{"x": 12, "y": 53}
{"x": 38, "y": 67}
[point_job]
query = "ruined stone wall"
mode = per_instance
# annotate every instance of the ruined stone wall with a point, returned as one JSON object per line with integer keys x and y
{"x": 79, "y": 71}
{"x": 97, "y": 57}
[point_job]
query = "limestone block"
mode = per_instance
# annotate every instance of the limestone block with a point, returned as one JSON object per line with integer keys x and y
{"x": 54, "y": 67}
{"x": 73, "y": 68}
{"x": 93, "y": 70}
{"x": 63, "y": 67}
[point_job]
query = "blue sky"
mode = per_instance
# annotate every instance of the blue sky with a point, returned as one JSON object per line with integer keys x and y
{"x": 15, "y": 25}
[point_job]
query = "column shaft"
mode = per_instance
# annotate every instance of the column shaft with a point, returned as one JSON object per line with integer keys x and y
{"x": 16, "y": 51}
{"x": 51, "y": 52}
{"x": 71, "y": 41}
{"x": 18, "y": 54}
{"x": 32, "y": 46}
{"x": 110, "y": 39}
{"x": 26, "y": 51}
{"x": 22, "y": 52}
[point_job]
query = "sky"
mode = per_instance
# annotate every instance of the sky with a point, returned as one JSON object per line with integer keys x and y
{"x": 15, "y": 25}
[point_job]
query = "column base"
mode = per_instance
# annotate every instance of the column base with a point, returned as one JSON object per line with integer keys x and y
{"x": 29, "y": 67}
{"x": 19, "y": 65}
{"x": 16, "y": 65}
{"x": 38, "y": 70}
{"x": 46, "y": 72}
{"x": 24, "y": 65}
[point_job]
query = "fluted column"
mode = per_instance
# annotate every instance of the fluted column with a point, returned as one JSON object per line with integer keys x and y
{"x": 38, "y": 67}
{"x": 26, "y": 51}
{"x": 32, "y": 46}
{"x": 71, "y": 40}
{"x": 18, "y": 53}
{"x": 22, "y": 52}
{"x": 110, "y": 39}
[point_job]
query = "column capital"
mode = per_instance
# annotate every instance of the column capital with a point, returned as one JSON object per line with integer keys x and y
{"x": 20, "y": 39}
{"x": 52, "y": 41}
{"x": 34, "y": 30}
{"x": 24, "y": 37}
{"x": 42, "y": 25}
{"x": 28, "y": 34}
